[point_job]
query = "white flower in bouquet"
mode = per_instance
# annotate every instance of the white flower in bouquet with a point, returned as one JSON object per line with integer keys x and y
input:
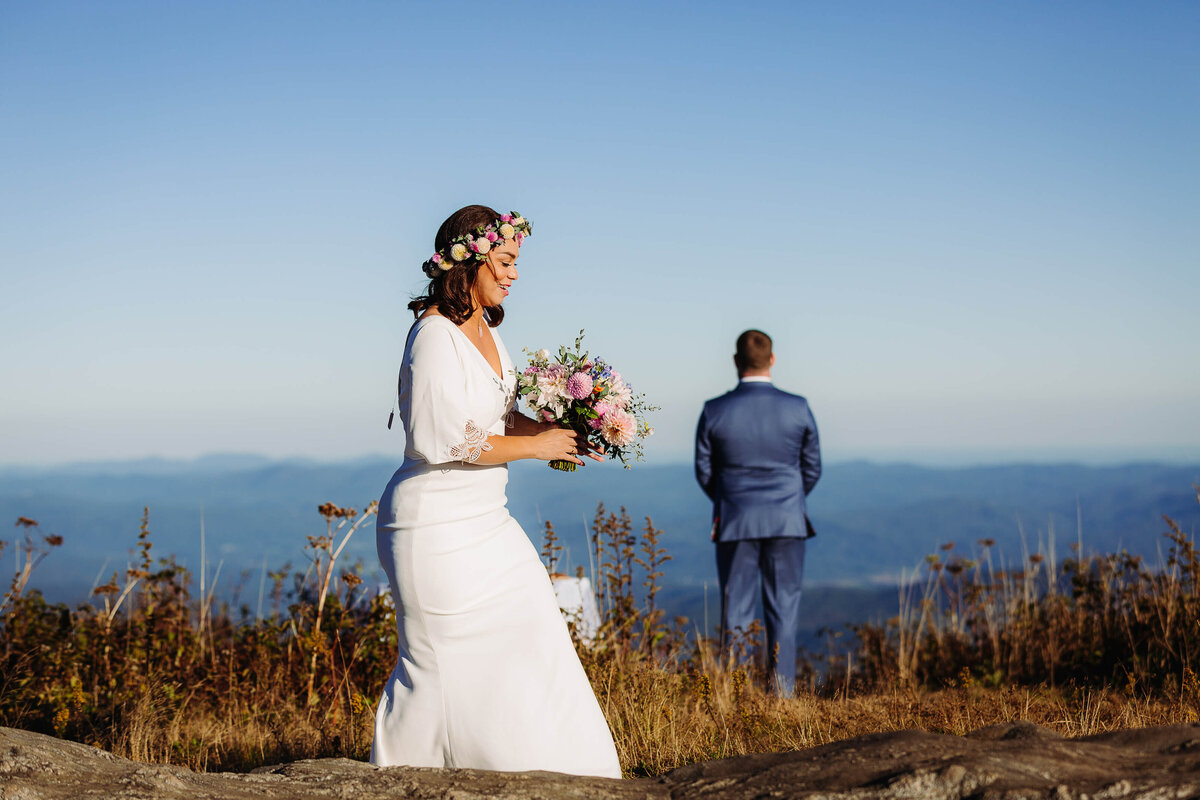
{"x": 552, "y": 386}
{"x": 620, "y": 395}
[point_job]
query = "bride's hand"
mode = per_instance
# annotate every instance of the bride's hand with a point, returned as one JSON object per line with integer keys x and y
{"x": 586, "y": 448}
{"x": 557, "y": 444}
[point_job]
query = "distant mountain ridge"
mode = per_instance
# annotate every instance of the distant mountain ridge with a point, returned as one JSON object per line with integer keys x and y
{"x": 875, "y": 521}
{"x": 154, "y": 465}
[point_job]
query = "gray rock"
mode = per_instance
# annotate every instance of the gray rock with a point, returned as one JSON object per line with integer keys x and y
{"x": 1017, "y": 760}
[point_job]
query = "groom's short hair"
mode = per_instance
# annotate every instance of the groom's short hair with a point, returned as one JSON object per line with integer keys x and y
{"x": 753, "y": 350}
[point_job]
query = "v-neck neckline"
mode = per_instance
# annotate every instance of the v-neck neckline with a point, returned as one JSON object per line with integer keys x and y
{"x": 499, "y": 356}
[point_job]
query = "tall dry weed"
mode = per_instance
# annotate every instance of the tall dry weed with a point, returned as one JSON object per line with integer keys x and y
{"x": 1096, "y": 621}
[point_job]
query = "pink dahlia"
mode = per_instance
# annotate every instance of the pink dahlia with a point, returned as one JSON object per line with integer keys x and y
{"x": 580, "y": 386}
{"x": 618, "y": 428}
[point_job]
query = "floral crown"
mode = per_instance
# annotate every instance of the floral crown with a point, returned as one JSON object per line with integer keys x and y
{"x": 477, "y": 244}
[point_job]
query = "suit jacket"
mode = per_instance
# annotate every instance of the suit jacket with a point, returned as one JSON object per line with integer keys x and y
{"x": 757, "y": 457}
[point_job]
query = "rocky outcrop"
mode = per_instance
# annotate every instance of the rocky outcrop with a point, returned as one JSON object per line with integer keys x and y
{"x": 1011, "y": 761}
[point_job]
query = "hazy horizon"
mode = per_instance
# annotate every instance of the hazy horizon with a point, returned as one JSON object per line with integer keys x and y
{"x": 1099, "y": 457}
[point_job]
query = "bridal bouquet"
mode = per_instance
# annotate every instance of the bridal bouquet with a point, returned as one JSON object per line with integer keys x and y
{"x": 588, "y": 396}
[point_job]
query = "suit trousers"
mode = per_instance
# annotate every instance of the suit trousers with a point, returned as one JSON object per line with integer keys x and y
{"x": 773, "y": 567}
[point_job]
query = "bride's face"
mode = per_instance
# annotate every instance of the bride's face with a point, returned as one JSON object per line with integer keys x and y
{"x": 497, "y": 273}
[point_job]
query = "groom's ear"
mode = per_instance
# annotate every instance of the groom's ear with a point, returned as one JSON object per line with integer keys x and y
{"x": 772, "y": 359}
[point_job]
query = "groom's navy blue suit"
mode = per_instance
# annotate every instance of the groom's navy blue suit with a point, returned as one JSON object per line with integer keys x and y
{"x": 757, "y": 457}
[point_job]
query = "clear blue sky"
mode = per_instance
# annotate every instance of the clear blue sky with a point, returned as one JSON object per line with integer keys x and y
{"x": 973, "y": 229}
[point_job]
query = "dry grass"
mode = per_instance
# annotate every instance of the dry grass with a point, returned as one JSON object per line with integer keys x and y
{"x": 151, "y": 673}
{"x": 661, "y": 721}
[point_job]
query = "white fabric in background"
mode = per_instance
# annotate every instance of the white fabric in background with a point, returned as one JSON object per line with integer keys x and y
{"x": 487, "y": 676}
{"x": 577, "y": 601}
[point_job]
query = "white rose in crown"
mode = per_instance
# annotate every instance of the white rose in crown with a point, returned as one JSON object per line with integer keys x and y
{"x": 458, "y": 252}
{"x": 507, "y": 231}
{"x": 518, "y": 221}
{"x": 482, "y": 245}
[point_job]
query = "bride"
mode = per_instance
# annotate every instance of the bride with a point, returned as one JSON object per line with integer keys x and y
{"x": 487, "y": 676}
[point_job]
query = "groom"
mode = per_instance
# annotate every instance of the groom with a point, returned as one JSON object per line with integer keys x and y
{"x": 757, "y": 457}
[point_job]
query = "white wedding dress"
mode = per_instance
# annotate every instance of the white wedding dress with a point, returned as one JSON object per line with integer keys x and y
{"x": 487, "y": 676}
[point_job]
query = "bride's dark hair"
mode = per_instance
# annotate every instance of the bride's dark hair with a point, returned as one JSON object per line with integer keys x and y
{"x": 450, "y": 291}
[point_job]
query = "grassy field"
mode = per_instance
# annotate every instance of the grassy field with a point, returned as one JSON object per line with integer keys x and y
{"x": 155, "y": 669}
